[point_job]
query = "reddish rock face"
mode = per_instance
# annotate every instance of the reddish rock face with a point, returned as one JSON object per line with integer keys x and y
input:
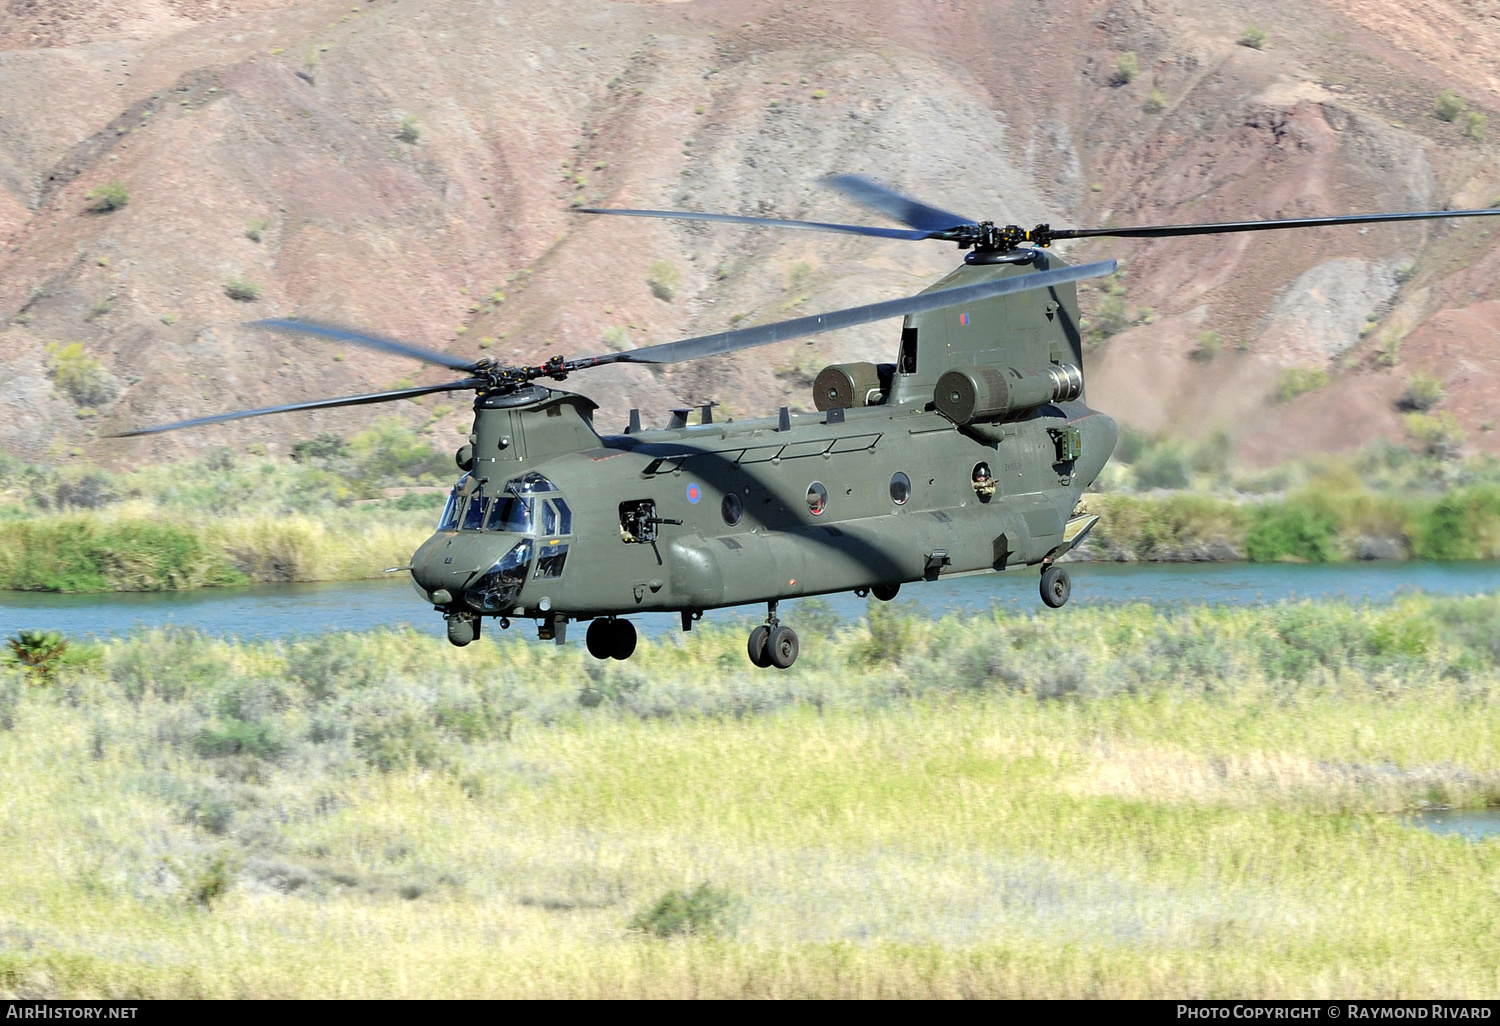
{"x": 409, "y": 168}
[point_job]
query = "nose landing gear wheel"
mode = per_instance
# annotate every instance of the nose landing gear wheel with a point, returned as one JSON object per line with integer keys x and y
{"x": 1056, "y": 587}
{"x": 782, "y": 647}
{"x": 760, "y": 653}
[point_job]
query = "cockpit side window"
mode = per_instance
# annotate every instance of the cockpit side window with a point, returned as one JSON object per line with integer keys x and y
{"x": 549, "y": 518}
{"x": 564, "y": 516}
{"x": 529, "y": 484}
{"x": 511, "y": 513}
{"x": 550, "y": 560}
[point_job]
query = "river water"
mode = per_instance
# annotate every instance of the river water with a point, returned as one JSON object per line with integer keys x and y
{"x": 268, "y": 611}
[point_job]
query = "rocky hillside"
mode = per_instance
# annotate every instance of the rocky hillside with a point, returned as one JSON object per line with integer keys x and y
{"x": 411, "y": 166}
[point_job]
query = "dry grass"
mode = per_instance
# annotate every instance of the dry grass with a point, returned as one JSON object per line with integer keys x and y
{"x": 400, "y": 819}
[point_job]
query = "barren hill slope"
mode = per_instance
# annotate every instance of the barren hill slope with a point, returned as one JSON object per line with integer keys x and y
{"x": 410, "y": 168}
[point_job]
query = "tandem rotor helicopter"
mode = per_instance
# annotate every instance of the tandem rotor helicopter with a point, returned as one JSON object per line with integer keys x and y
{"x": 968, "y": 454}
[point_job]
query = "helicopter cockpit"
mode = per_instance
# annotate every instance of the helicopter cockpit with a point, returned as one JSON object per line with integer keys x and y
{"x": 526, "y": 505}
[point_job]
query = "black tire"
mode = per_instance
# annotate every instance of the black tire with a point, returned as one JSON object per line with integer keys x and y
{"x": 782, "y": 647}
{"x": 756, "y": 647}
{"x": 1056, "y": 587}
{"x": 885, "y": 592}
{"x": 622, "y": 634}
{"x": 600, "y": 639}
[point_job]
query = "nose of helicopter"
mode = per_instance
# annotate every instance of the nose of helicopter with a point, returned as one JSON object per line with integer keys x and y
{"x": 442, "y": 566}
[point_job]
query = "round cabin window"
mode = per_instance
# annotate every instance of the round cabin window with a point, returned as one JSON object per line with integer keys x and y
{"x": 732, "y": 509}
{"x": 817, "y": 498}
{"x": 900, "y": 488}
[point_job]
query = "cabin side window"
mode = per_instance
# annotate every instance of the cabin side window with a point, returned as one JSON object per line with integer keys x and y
{"x": 907, "y": 362}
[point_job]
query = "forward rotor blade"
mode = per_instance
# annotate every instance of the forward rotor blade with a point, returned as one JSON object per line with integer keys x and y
{"x": 314, "y": 404}
{"x": 1168, "y": 231}
{"x": 894, "y": 205}
{"x": 368, "y": 341}
{"x": 764, "y": 334}
{"x": 817, "y": 226}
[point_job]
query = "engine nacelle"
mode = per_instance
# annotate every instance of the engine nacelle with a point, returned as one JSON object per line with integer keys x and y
{"x": 852, "y": 384}
{"x": 988, "y": 393}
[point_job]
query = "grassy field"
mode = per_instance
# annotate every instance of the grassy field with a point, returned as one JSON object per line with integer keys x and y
{"x": 1109, "y": 801}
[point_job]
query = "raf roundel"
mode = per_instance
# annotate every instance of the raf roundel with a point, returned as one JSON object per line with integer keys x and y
{"x": 694, "y": 493}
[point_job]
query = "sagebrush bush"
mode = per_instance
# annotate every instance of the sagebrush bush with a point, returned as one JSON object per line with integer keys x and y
{"x": 83, "y": 378}
{"x": 109, "y": 197}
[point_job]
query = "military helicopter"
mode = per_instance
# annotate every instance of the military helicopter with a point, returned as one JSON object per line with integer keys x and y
{"x": 966, "y": 455}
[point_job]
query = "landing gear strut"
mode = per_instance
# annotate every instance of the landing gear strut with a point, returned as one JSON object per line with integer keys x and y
{"x": 773, "y": 643}
{"x": 1056, "y": 586}
{"x": 608, "y": 638}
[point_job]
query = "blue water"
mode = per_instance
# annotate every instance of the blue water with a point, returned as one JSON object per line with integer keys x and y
{"x": 283, "y": 609}
{"x": 1470, "y": 824}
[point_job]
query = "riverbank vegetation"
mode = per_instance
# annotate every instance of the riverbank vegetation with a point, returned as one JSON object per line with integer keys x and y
{"x": 1167, "y": 500}
{"x": 1095, "y": 802}
{"x": 335, "y": 510}
{"x": 339, "y": 509}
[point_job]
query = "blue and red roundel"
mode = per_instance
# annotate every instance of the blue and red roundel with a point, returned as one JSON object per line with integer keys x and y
{"x": 963, "y": 318}
{"x": 694, "y": 494}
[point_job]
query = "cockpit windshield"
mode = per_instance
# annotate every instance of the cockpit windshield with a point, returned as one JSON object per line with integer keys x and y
{"x": 479, "y": 505}
{"x": 513, "y": 510}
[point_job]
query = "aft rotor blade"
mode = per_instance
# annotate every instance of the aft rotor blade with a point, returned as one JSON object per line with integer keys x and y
{"x": 780, "y": 331}
{"x": 313, "y": 404}
{"x": 919, "y": 215}
{"x": 1174, "y": 230}
{"x": 816, "y": 226}
{"x": 385, "y": 345}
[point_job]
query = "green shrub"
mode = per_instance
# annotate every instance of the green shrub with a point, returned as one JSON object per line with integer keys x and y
{"x": 1164, "y": 465}
{"x": 1450, "y": 105}
{"x": 1474, "y": 125}
{"x": 1423, "y": 392}
{"x": 237, "y": 737}
{"x": 1127, "y": 68}
{"x": 241, "y": 290}
{"x": 410, "y": 130}
{"x": 702, "y": 912}
{"x": 108, "y": 197}
{"x": 256, "y": 228}
{"x": 1208, "y": 346}
{"x": 1464, "y": 524}
{"x": 38, "y": 653}
{"x": 1252, "y": 36}
{"x": 1437, "y": 434}
{"x": 1295, "y": 381}
{"x": 1156, "y": 102}
{"x": 1291, "y": 531}
{"x": 662, "y": 277}
{"x": 83, "y": 378}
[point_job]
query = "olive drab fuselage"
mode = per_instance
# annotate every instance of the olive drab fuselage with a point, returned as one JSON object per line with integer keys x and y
{"x": 721, "y": 514}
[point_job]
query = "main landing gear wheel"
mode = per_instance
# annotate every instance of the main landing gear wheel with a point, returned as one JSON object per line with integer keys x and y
{"x": 1056, "y": 587}
{"x": 759, "y": 651}
{"x": 885, "y": 592}
{"x": 610, "y": 639}
{"x": 781, "y": 647}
